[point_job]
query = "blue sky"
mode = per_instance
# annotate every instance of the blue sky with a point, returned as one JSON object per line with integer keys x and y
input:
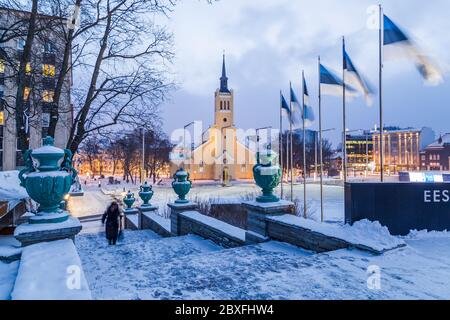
{"x": 269, "y": 42}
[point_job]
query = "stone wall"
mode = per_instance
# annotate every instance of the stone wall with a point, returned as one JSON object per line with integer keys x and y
{"x": 149, "y": 224}
{"x": 210, "y": 228}
{"x": 302, "y": 237}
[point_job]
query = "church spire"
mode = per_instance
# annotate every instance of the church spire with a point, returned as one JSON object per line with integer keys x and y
{"x": 223, "y": 78}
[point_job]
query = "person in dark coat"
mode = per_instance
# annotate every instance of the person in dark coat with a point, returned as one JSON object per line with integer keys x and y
{"x": 112, "y": 218}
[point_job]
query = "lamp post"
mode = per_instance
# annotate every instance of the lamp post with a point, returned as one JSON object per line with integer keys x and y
{"x": 224, "y": 150}
{"x": 184, "y": 141}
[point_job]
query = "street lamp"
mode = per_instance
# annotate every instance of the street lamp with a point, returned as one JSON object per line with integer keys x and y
{"x": 184, "y": 141}
{"x": 225, "y": 183}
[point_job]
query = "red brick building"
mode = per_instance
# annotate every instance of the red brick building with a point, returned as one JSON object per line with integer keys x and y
{"x": 436, "y": 156}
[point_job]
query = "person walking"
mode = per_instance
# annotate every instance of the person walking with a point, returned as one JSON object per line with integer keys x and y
{"x": 111, "y": 220}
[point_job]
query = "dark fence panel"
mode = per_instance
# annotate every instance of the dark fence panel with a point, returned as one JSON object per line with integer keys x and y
{"x": 400, "y": 206}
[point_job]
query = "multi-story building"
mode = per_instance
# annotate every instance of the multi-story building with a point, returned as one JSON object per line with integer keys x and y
{"x": 436, "y": 156}
{"x": 359, "y": 152}
{"x": 41, "y": 74}
{"x": 222, "y": 157}
{"x": 402, "y": 148}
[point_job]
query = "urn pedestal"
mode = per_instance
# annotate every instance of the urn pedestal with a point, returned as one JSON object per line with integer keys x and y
{"x": 47, "y": 177}
{"x": 181, "y": 185}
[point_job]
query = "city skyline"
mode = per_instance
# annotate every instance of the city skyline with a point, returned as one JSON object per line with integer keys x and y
{"x": 264, "y": 55}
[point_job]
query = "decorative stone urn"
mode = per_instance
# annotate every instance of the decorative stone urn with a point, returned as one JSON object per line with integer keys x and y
{"x": 129, "y": 200}
{"x": 181, "y": 185}
{"x": 267, "y": 175}
{"x": 146, "y": 194}
{"x": 47, "y": 177}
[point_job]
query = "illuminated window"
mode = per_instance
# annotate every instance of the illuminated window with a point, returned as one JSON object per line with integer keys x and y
{"x": 2, "y": 66}
{"x": 47, "y": 95}
{"x": 28, "y": 68}
{"x": 26, "y": 93}
{"x": 20, "y": 44}
{"x": 48, "y": 70}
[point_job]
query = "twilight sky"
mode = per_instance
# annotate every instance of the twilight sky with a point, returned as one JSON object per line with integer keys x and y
{"x": 269, "y": 42}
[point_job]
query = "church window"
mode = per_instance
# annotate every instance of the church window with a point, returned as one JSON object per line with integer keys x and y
{"x": 221, "y": 105}
{"x": 228, "y": 105}
{"x": 225, "y": 120}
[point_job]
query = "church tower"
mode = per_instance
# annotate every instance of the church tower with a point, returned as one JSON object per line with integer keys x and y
{"x": 224, "y": 102}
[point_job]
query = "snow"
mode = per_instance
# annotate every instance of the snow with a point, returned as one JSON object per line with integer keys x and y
{"x": 8, "y": 273}
{"x": 28, "y": 228}
{"x": 48, "y": 149}
{"x": 124, "y": 271}
{"x": 46, "y": 270}
{"x": 163, "y": 222}
{"x": 216, "y": 224}
{"x": 10, "y": 189}
{"x": 362, "y": 233}
{"x": 134, "y": 218}
{"x": 145, "y": 266}
{"x": 44, "y": 174}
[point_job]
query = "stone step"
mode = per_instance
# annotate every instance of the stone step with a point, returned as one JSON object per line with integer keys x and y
{"x": 135, "y": 257}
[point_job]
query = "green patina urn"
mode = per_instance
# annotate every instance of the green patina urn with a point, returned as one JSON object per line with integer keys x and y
{"x": 267, "y": 175}
{"x": 181, "y": 185}
{"x": 47, "y": 177}
{"x": 146, "y": 194}
{"x": 129, "y": 200}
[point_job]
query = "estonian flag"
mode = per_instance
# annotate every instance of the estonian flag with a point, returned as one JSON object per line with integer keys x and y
{"x": 395, "y": 39}
{"x": 296, "y": 111}
{"x": 353, "y": 77}
{"x": 330, "y": 84}
{"x": 308, "y": 113}
{"x": 285, "y": 107}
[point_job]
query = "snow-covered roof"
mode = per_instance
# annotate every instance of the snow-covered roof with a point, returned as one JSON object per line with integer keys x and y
{"x": 441, "y": 142}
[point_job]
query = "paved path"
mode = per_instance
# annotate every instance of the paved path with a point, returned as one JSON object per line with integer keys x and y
{"x": 92, "y": 203}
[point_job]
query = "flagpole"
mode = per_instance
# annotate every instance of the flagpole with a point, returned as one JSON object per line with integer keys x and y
{"x": 281, "y": 142}
{"x": 344, "y": 138}
{"x": 291, "y": 150}
{"x": 381, "y": 27}
{"x": 320, "y": 147}
{"x": 304, "y": 145}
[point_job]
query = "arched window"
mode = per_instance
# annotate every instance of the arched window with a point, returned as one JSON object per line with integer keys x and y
{"x": 221, "y": 105}
{"x": 228, "y": 105}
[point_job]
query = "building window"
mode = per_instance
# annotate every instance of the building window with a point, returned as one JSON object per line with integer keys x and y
{"x": 20, "y": 44}
{"x": 221, "y": 105}
{"x": 47, "y": 95}
{"x": 49, "y": 47}
{"x": 225, "y": 119}
{"x": 1, "y": 147}
{"x": 26, "y": 93}
{"x": 48, "y": 70}
{"x": 45, "y": 120}
{"x": 28, "y": 68}
{"x": 2, "y": 66}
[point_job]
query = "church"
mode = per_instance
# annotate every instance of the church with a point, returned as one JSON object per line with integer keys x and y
{"x": 223, "y": 156}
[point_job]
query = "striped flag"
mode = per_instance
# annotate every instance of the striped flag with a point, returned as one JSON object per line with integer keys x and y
{"x": 354, "y": 78}
{"x": 397, "y": 44}
{"x": 296, "y": 111}
{"x": 308, "y": 112}
{"x": 331, "y": 84}
{"x": 285, "y": 107}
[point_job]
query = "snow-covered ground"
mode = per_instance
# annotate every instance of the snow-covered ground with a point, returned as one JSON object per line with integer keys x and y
{"x": 95, "y": 202}
{"x": 8, "y": 274}
{"x": 145, "y": 266}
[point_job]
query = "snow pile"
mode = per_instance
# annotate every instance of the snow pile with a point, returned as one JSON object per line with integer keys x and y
{"x": 9, "y": 247}
{"x": 51, "y": 271}
{"x": 425, "y": 234}
{"x": 8, "y": 273}
{"x": 10, "y": 189}
{"x": 371, "y": 234}
{"x": 364, "y": 234}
